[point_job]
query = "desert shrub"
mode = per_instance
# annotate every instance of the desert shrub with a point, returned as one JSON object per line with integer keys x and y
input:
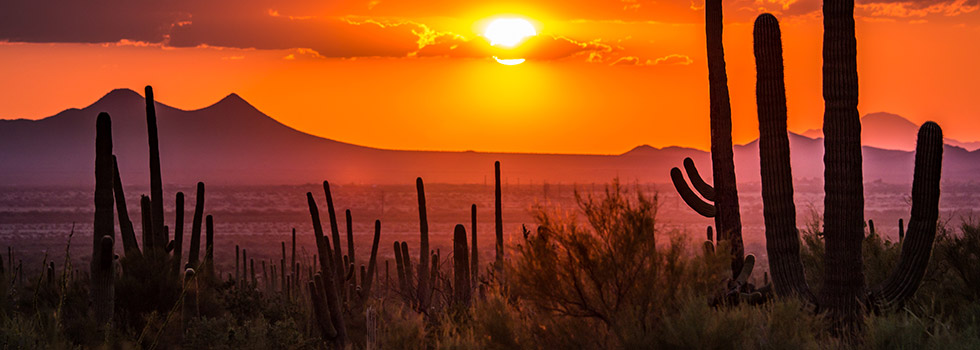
{"x": 609, "y": 269}
{"x": 399, "y": 327}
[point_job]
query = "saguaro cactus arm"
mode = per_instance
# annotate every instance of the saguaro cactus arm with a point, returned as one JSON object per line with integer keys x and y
{"x": 905, "y": 279}
{"x": 126, "y": 231}
{"x": 701, "y": 207}
{"x": 368, "y": 280}
{"x": 703, "y": 188}
{"x": 336, "y": 253}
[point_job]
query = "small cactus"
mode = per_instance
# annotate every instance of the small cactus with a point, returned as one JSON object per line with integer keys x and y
{"x": 498, "y": 221}
{"x": 461, "y": 267}
{"x": 474, "y": 255}
{"x": 178, "y": 232}
{"x": 325, "y": 287}
{"x": 194, "y": 253}
{"x": 425, "y": 285}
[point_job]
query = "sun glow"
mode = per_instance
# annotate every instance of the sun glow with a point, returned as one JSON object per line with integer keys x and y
{"x": 508, "y": 33}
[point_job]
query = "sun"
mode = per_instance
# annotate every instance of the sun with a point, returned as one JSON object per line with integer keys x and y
{"x": 508, "y": 33}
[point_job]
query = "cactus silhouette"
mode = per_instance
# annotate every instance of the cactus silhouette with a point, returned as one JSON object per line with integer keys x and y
{"x": 425, "y": 285}
{"x": 724, "y": 193}
{"x": 498, "y": 220}
{"x": 461, "y": 267}
{"x": 474, "y": 256}
{"x": 779, "y": 211}
{"x": 324, "y": 288}
{"x": 368, "y": 279}
{"x": 178, "y": 232}
{"x": 130, "y": 245}
{"x": 336, "y": 254}
{"x": 194, "y": 252}
{"x": 844, "y": 293}
{"x": 156, "y": 182}
{"x": 103, "y": 232}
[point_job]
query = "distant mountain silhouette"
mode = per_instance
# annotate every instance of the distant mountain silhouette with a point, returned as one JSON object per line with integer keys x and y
{"x": 231, "y": 142}
{"x": 891, "y": 131}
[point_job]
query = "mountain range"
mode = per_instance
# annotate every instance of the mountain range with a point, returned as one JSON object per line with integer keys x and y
{"x": 233, "y": 143}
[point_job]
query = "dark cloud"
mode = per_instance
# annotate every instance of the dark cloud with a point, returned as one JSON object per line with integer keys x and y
{"x": 253, "y": 24}
{"x": 330, "y": 37}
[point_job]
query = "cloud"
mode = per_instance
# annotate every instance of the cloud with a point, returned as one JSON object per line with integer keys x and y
{"x": 672, "y": 59}
{"x": 541, "y": 47}
{"x": 920, "y": 8}
{"x": 255, "y": 24}
{"x": 874, "y": 8}
{"x": 628, "y": 61}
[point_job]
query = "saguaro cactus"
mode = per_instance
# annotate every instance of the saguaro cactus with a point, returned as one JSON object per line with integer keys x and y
{"x": 336, "y": 254}
{"x": 844, "y": 293}
{"x": 368, "y": 280}
{"x": 103, "y": 230}
{"x": 194, "y": 253}
{"x": 130, "y": 245}
{"x": 461, "y": 267}
{"x": 156, "y": 182}
{"x": 425, "y": 286}
{"x": 782, "y": 237}
{"x": 325, "y": 287}
{"x": 498, "y": 220}
{"x": 843, "y": 175}
{"x": 728, "y": 221}
{"x": 147, "y": 221}
{"x": 178, "y": 232}
{"x": 474, "y": 256}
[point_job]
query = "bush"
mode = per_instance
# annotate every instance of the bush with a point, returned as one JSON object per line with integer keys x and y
{"x": 609, "y": 270}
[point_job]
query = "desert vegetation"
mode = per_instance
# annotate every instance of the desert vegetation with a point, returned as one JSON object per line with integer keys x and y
{"x": 605, "y": 274}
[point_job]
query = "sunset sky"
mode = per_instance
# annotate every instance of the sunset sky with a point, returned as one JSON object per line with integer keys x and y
{"x": 600, "y": 76}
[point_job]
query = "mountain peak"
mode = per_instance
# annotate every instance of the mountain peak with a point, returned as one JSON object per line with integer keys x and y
{"x": 641, "y": 148}
{"x": 885, "y": 118}
{"x": 119, "y": 96}
{"x": 233, "y": 102}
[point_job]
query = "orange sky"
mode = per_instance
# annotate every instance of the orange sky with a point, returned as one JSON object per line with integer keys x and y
{"x": 602, "y": 77}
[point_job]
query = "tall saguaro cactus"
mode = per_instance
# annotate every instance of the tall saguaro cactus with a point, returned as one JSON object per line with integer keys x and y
{"x": 844, "y": 293}
{"x": 498, "y": 220}
{"x": 474, "y": 255}
{"x": 728, "y": 221}
{"x": 782, "y": 237}
{"x": 156, "y": 182}
{"x": 194, "y": 253}
{"x": 425, "y": 287}
{"x": 103, "y": 231}
{"x": 843, "y": 176}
